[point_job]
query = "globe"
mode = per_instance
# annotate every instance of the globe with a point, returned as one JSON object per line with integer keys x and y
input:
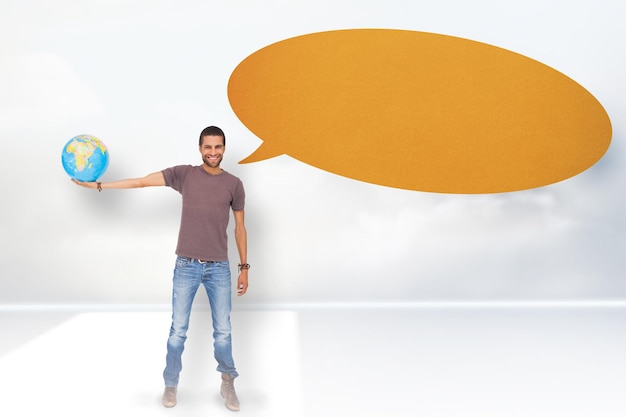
{"x": 85, "y": 158}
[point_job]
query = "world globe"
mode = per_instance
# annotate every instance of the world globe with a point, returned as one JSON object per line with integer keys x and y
{"x": 85, "y": 158}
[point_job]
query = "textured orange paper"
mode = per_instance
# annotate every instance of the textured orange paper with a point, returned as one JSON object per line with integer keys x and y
{"x": 418, "y": 111}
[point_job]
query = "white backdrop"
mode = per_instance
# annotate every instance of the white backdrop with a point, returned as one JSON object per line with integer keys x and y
{"x": 147, "y": 76}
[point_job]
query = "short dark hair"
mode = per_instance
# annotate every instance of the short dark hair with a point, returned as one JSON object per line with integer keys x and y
{"x": 212, "y": 131}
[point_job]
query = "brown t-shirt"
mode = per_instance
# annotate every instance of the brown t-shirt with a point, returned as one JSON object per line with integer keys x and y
{"x": 207, "y": 200}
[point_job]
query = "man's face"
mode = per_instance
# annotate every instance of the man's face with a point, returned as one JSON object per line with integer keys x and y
{"x": 212, "y": 150}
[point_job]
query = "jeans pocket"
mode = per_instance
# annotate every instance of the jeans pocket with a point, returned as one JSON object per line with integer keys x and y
{"x": 182, "y": 262}
{"x": 220, "y": 271}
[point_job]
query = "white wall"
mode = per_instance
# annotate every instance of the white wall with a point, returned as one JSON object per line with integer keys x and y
{"x": 147, "y": 76}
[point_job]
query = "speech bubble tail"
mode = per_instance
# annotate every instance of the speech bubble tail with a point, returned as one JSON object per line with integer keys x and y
{"x": 263, "y": 152}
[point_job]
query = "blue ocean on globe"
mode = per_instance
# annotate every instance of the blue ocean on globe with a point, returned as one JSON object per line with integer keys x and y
{"x": 85, "y": 158}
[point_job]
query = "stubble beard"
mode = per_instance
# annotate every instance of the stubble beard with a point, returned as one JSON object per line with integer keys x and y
{"x": 212, "y": 164}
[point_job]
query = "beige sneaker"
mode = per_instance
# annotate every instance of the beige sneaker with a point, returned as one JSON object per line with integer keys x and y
{"x": 228, "y": 392}
{"x": 169, "y": 397}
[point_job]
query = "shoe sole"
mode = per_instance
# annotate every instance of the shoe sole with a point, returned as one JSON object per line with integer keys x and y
{"x": 231, "y": 408}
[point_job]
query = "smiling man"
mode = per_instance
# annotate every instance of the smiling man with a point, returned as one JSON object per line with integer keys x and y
{"x": 208, "y": 194}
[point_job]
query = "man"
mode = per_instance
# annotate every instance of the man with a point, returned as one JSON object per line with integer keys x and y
{"x": 208, "y": 194}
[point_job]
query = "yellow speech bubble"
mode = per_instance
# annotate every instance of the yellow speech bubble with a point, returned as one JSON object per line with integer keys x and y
{"x": 418, "y": 111}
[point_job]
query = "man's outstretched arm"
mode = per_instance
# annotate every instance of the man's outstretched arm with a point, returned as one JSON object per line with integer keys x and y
{"x": 152, "y": 180}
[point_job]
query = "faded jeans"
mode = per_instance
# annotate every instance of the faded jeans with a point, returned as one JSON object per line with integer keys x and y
{"x": 188, "y": 275}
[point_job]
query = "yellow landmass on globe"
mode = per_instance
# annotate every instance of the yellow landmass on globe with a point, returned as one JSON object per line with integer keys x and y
{"x": 82, "y": 152}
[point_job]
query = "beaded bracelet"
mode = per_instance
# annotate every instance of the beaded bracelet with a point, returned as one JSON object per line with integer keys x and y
{"x": 243, "y": 266}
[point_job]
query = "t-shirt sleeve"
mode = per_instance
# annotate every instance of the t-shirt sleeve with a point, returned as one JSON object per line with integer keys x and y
{"x": 175, "y": 176}
{"x": 239, "y": 197}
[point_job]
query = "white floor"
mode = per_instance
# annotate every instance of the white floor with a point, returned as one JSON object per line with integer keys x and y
{"x": 478, "y": 361}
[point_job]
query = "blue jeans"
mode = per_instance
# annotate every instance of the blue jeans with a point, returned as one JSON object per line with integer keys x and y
{"x": 188, "y": 275}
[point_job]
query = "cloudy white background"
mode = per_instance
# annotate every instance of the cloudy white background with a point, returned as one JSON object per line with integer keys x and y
{"x": 147, "y": 76}
{"x": 81, "y": 271}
